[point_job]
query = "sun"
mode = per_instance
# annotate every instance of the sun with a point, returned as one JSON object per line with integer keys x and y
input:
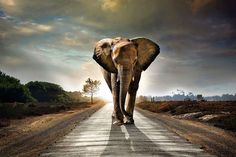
{"x": 104, "y": 92}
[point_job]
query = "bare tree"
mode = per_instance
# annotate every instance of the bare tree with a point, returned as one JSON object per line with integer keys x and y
{"x": 91, "y": 87}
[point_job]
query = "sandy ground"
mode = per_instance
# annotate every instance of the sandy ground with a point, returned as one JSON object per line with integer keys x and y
{"x": 214, "y": 140}
{"x": 28, "y": 136}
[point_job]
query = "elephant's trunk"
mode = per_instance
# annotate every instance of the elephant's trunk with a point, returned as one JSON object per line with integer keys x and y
{"x": 125, "y": 78}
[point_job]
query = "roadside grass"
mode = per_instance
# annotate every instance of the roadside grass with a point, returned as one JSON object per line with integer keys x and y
{"x": 218, "y": 113}
{"x": 17, "y": 110}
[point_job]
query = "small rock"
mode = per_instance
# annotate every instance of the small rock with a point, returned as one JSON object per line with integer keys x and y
{"x": 190, "y": 115}
{"x": 208, "y": 117}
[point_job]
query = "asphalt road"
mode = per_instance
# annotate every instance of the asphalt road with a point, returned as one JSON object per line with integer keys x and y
{"x": 96, "y": 136}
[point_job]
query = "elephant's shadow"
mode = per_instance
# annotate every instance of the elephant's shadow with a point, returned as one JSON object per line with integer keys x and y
{"x": 134, "y": 143}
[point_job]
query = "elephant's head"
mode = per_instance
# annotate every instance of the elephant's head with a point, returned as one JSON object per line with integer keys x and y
{"x": 121, "y": 56}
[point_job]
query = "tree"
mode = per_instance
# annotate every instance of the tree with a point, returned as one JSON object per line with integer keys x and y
{"x": 91, "y": 87}
{"x": 45, "y": 91}
{"x": 11, "y": 90}
{"x": 142, "y": 98}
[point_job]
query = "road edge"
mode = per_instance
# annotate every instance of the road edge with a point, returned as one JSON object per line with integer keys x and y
{"x": 42, "y": 139}
{"x": 208, "y": 143}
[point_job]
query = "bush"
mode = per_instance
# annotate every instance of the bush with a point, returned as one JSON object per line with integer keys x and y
{"x": 15, "y": 110}
{"x": 12, "y": 91}
{"x": 21, "y": 110}
{"x": 46, "y": 92}
{"x": 75, "y": 96}
{"x": 63, "y": 98}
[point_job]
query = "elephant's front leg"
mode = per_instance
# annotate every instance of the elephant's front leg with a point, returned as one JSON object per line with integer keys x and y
{"x": 118, "y": 116}
{"x": 132, "y": 96}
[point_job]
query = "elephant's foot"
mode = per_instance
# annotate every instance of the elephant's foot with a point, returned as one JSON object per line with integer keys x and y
{"x": 117, "y": 119}
{"x": 128, "y": 120}
{"x": 118, "y": 122}
{"x": 117, "y": 115}
{"x": 113, "y": 115}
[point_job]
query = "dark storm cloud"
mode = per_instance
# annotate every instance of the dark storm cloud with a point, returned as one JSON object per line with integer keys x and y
{"x": 197, "y": 38}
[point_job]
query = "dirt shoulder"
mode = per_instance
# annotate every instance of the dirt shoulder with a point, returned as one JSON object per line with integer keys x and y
{"x": 220, "y": 114}
{"x": 214, "y": 140}
{"x": 29, "y": 136}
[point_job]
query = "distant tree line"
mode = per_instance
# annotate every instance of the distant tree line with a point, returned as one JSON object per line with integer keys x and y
{"x": 183, "y": 96}
{"x": 46, "y": 92}
{"x": 11, "y": 90}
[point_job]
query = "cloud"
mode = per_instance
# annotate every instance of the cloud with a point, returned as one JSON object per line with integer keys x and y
{"x": 80, "y": 38}
{"x": 112, "y": 5}
{"x": 77, "y": 58}
{"x": 10, "y": 3}
{"x": 27, "y": 28}
{"x": 71, "y": 41}
{"x": 56, "y": 39}
{"x": 199, "y": 4}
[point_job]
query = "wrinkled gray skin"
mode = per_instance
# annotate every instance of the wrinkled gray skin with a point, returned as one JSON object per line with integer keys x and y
{"x": 122, "y": 61}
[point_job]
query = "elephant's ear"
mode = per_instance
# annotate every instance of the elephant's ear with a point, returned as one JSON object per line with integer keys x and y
{"x": 102, "y": 55}
{"x": 147, "y": 51}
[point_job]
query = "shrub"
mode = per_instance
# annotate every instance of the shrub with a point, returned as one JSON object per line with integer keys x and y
{"x": 46, "y": 92}
{"x": 11, "y": 90}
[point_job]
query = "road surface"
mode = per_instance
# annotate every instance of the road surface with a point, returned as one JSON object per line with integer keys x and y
{"x": 96, "y": 136}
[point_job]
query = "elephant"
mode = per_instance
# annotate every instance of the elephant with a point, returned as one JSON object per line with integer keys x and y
{"x": 122, "y": 61}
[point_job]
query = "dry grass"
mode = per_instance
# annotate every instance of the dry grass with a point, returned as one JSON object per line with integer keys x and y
{"x": 225, "y": 111}
{"x": 41, "y": 116}
{"x": 12, "y": 111}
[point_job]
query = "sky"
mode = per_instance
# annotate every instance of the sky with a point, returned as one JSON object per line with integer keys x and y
{"x": 53, "y": 41}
